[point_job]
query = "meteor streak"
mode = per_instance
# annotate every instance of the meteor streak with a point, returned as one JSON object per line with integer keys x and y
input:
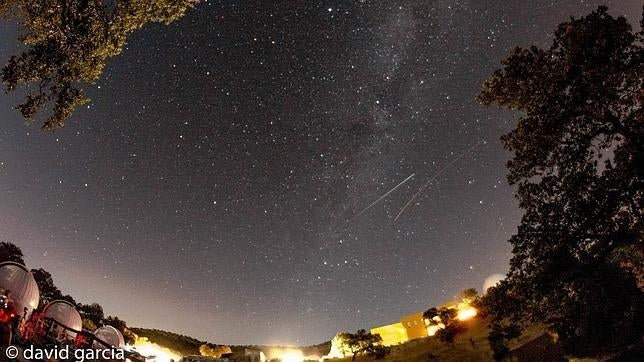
{"x": 381, "y": 197}
{"x": 434, "y": 177}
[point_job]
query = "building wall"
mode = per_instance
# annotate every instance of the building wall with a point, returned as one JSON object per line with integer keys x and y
{"x": 414, "y": 326}
{"x": 391, "y": 334}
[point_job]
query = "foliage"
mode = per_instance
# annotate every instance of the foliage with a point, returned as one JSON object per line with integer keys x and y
{"x": 92, "y": 313}
{"x": 430, "y": 313}
{"x": 213, "y": 350}
{"x": 445, "y": 318}
{"x": 452, "y": 326}
{"x": 378, "y": 351}
{"x": 578, "y": 166}
{"x": 469, "y": 296}
{"x": 631, "y": 258}
{"x": 89, "y": 325}
{"x": 450, "y": 332}
{"x": 10, "y": 252}
{"x": 48, "y": 290}
{"x": 69, "y": 43}
{"x": 499, "y": 335}
{"x": 120, "y": 324}
{"x": 360, "y": 342}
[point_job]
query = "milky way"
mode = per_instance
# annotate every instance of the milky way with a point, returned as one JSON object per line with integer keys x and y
{"x": 206, "y": 189}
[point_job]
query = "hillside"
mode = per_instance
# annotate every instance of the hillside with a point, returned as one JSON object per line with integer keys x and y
{"x": 186, "y": 345}
{"x": 471, "y": 345}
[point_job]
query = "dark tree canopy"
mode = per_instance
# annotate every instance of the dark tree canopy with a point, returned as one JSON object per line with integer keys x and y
{"x": 578, "y": 167}
{"x": 48, "y": 290}
{"x": 91, "y": 313}
{"x": 10, "y": 252}
{"x": 469, "y": 295}
{"x": 362, "y": 342}
{"x": 445, "y": 317}
{"x": 430, "y": 313}
{"x": 68, "y": 44}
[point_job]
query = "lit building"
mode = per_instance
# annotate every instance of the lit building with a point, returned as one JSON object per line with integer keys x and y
{"x": 410, "y": 327}
{"x": 414, "y": 326}
{"x": 391, "y": 334}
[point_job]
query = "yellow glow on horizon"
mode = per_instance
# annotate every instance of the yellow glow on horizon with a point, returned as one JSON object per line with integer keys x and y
{"x": 148, "y": 349}
{"x": 466, "y": 312}
{"x": 292, "y": 356}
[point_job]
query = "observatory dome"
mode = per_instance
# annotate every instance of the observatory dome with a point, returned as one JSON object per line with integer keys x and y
{"x": 109, "y": 335}
{"x": 17, "y": 279}
{"x": 66, "y": 314}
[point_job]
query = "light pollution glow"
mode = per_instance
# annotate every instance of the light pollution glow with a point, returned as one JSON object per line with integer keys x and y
{"x": 290, "y": 355}
{"x": 465, "y": 312}
{"x": 156, "y": 353}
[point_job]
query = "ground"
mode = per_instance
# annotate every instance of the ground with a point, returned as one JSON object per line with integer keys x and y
{"x": 471, "y": 345}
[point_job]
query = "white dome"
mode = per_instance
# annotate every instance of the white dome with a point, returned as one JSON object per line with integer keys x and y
{"x": 15, "y": 278}
{"x": 66, "y": 314}
{"x": 109, "y": 335}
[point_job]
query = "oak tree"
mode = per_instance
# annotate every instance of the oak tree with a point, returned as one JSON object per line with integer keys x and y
{"x": 578, "y": 168}
{"x": 68, "y": 43}
{"x": 361, "y": 342}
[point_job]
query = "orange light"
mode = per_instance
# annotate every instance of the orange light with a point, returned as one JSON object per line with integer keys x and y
{"x": 466, "y": 312}
{"x": 161, "y": 354}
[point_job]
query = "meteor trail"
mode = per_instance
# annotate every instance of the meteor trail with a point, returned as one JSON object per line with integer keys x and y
{"x": 429, "y": 181}
{"x": 382, "y": 197}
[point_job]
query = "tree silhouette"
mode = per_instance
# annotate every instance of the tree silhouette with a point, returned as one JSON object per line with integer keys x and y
{"x": 92, "y": 313}
{"x": 451, "y": 325}
{"x": 498, "y": 337}
{"x": 68, "y": 44}
{"x": 469, "y": 295}
{"x": 11, "y": 252}
{"x": 430, "y": 313}
{"x": 361, "y": 342}
{"x": 48, "y": 290}
{"x": 578, "y": 167}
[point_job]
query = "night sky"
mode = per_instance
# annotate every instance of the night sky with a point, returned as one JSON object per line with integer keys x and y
{"x": 207, "y": 187}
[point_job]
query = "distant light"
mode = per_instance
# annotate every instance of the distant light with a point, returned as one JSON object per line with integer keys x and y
{"x": 292, "y": 356}
{"x": 146, "y": 348}
{"x": 466, "y": 312}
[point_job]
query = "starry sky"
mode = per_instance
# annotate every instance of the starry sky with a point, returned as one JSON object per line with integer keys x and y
{"x": 210, "y": 187}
